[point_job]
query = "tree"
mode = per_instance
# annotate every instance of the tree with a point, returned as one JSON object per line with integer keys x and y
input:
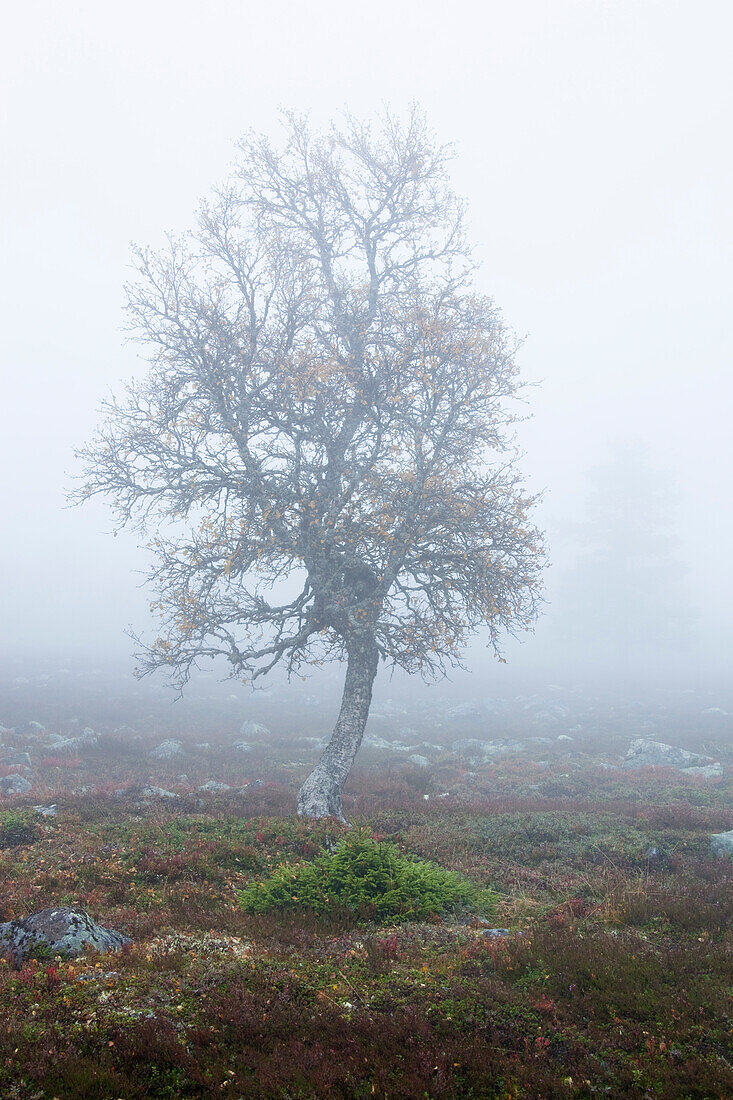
{"x": 622, "y": 602}
{"x": 325, "y": 404}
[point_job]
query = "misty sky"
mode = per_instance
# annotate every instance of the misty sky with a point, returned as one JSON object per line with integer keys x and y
{"x": 593, "y": 146}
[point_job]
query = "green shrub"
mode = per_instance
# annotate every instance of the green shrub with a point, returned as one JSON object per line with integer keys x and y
{"x": 368, "y": 878}
{"x": 18, "y": 827}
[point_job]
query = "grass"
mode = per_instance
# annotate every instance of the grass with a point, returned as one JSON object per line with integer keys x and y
{"x": 614, "y": 982}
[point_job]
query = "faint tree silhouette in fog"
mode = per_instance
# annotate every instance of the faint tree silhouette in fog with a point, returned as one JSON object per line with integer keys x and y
{"x": 623, "y": 603}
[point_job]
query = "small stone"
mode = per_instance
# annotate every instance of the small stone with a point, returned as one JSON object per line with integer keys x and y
{"x": 214, "y": 785}
{"x": 157, "y": 792}
{"x": 166, "y": 749}
{"x": 722, "y": 843}
{"x": 63, "y": 931}
{"x": 46, "y": 811}
{"x": 16, "y": 759}
{"x": 14, "y": 784}
{"x": 253, "y": 729}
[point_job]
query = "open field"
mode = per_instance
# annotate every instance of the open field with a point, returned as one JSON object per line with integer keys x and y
{"x": 614, "y": 979}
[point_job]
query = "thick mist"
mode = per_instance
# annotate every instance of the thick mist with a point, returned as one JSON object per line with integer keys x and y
{"x": 589, "y": 147}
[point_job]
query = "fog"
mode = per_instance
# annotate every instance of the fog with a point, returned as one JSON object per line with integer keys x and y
{"x": 591, "y": 145}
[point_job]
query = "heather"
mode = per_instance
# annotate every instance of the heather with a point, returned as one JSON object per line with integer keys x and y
{"x": 611, "y": 975}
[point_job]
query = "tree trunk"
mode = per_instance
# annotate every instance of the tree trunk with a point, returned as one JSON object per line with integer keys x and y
{"x": 320, "y": 795}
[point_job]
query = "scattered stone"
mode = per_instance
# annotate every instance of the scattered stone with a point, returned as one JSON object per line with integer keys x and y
{"x": 14, "y": 784}
{"x": 722, "y": 843}
{"x": 464, "y": 712}
{"x": 502, "y": 746}
{"x": 214, "y": 785}
{"x": 643, "y": 753}
{"x": 15, "y": 759}
{"x": 253, "y": 729}
{"x": 166, "y": 749}
{"x": 64, "y": 931}
{"x": 46, "y": 811}
{"x": 157, "y": 792}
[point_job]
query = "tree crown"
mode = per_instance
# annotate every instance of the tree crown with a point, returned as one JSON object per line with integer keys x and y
{"x": 326, "y": 402}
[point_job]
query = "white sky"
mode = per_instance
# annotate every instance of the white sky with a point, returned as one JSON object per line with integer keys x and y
{"x": 593, "y": 146}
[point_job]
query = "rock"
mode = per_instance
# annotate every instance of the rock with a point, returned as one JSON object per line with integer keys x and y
{"x": 68, "y": 932}
{"x": 36, "y": 727}
{"x": 495, "y": 933}
{"x": 253, "y": 729}
{"x": 203, "y": 745}
{"x": 14, "y": 784}
{"x": 643, "y": 753}
{"x": 14, "y": 759}
{"x": 565, "y": 737}
{"x": 708, "y": 771}
{"x": 166, "y": 749}
{"x": 715, "y": 712}
{"x": 421, "y": 761}
{"x": 214, "y": 785}
{"x": 241, "y": 746}
{"x": 501, "y": 746}
{"x": 722, "y": 843}
{"x": 157, "y": 792}
{"x": 46, "y": 811}
{"x": 464, "y": 712}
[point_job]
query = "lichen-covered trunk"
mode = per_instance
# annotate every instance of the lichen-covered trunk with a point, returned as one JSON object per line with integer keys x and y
{"x": 320, "y": 795}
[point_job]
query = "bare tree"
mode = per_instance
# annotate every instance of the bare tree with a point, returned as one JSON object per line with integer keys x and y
{"x": 326, "y": 402}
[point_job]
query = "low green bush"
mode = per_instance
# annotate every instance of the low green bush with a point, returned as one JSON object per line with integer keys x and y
{"x": 18, "y": 827}
{"x": 368, "y": 878}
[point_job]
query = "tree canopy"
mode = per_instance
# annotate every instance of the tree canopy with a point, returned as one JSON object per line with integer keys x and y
{"x": 327, "y": 403}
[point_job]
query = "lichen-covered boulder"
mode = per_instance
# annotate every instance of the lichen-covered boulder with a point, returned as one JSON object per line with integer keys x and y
{"x": 62, "y": 931}
{"x": 643, "y": 753}
{"x": 722, "y": 843}
{"x": 14, "y": 784}
{"x": 253, "y": 729}
{"x": 166, "y": 749}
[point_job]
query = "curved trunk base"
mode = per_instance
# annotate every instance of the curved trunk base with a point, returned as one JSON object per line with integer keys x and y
{"x": 320, "y": 795}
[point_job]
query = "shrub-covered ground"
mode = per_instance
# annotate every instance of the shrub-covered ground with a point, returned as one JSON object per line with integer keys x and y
{"x": 614, "y": 979}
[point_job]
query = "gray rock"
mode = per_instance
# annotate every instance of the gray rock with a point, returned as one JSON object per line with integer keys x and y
{"x": 67, "y": 932}
{"x": 464, "y": 712}
{"x": 46, "y": 811}
{"x": 14, "y": 759}
{"x": 241, "y": 746}
{"x": 501, "y": 747}
{"x": 722, "y": 843}
{"x": 253, "y": 729}
{"x": 565, "y": 737}
{"x": 214, "y": 785}
{"x": 643, "y": 753}
{"x": 708, "y": 771}
{"x": 421, "y": 761}
{"x": 495, "y": 933}
{"x": 166, "y": 749}
{"x": 157, "y": 792}
{"x": 14, "y": 784}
